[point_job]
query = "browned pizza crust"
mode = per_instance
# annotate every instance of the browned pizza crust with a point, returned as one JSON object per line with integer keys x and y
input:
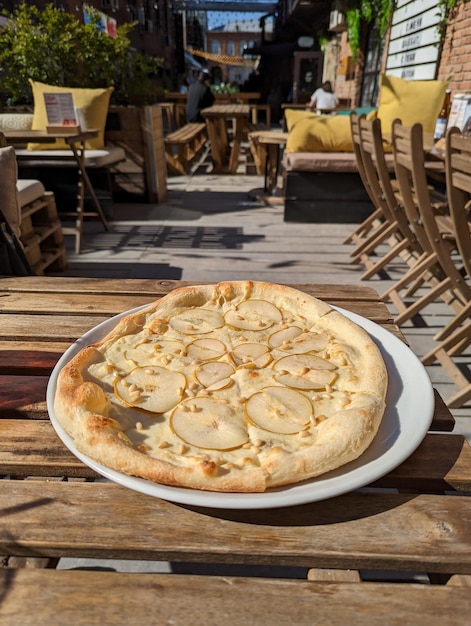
{"x": 239, "y": 386}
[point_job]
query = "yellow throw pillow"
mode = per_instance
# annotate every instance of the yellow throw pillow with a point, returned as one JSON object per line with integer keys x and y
{"x": 93, "y": 102}
{"x": 320, "y": 133}
{"x": 411, "y": 101}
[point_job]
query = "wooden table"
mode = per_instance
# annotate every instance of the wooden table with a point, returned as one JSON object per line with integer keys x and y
{"x": 225, "y": 156}
{"x": 76, "y": 142}
{"x": 415, "y": 519}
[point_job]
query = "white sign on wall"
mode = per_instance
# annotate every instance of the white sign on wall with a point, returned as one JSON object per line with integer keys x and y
{"x": 414, "y": 48}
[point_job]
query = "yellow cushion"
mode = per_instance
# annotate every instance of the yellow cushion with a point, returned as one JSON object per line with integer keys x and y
{"x": 320, "y": 133}
{"x": 93, "y": 102}
{"x": 293, "y": 116}
{"x": 411, "y": 101}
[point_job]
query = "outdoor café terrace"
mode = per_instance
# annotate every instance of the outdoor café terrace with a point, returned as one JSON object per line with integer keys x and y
{"x": 385, "y": 538}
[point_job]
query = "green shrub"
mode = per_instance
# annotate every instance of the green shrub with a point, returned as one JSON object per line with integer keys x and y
{"x": 53, "y": 47}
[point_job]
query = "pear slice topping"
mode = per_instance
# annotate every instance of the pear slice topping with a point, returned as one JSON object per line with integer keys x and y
{"x": 206, "y": 349}
{"x": 154, "y": 389}
{"x": 284, "y": 337}
{"x": 279, "y": 410}
{"x": 253, "y": 315}
{"x": 197, "y": 321}
{"x": 304, "y": 371}
{"x": 308, "y": 342}
{"x": 251, "y": 353}
{"x": 294, "y": 339}
{"x": 207, "y": 423}
{"x": 214, "y": 375}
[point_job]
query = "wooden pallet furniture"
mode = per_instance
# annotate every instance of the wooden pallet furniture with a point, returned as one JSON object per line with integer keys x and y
{"x": 324, "y": 187}
{"x": 41, "y": 229}
{"x": 183, "y": 145}
{"x": 139, "y": 131}
{"x": 415, "y": 519}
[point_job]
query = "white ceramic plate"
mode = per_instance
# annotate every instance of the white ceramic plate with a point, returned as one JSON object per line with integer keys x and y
{"x": 409, "y": 412}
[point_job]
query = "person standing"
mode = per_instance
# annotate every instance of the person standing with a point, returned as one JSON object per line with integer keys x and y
{"x": 324, "y": 98}
{"x": 199, "y": 97}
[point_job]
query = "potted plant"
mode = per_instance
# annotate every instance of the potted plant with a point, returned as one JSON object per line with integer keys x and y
{"x": 53, "y": 47}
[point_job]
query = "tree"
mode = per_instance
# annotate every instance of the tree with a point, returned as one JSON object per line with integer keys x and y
{"x": 53, "y": 47}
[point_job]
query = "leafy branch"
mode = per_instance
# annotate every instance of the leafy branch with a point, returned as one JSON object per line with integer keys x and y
{"x": 374, "y": 12}
{"x": 378, "y": 13}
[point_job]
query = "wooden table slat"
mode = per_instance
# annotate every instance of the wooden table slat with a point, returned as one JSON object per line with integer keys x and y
{"x": 79, "y": 597}
{"x": 413, "y": 532}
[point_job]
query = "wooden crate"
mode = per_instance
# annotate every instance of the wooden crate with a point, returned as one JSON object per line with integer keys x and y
{"x": 139, "y": 131}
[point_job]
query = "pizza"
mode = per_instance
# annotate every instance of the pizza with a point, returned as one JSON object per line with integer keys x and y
{"x": 235, "y": 387}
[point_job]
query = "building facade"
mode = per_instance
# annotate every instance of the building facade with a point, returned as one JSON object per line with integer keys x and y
{"x": 228, "y": 46}
{"x": 421, "y": 43}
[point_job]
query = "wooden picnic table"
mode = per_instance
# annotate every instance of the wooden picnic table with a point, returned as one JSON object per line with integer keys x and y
{"x": 225, "y": 155}
{"x": 415, "y": 519}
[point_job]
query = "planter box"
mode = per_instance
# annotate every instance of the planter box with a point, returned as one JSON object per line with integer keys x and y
{"x": 139, "y": 131}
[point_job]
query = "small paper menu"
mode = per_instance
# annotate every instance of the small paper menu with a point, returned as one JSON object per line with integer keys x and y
{"x": 61, "y": 113}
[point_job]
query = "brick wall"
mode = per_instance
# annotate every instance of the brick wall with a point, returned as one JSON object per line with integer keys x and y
{"x": 455, "y": 61}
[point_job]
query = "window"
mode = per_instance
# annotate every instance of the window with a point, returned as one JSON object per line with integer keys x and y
{"x": 216, "y": 47}
{"x": 230, "y": 48}
{"x": 371, "y": 72}
{"x": 242, "y": 46}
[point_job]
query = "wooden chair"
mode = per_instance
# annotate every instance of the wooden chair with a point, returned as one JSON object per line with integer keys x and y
{"x": 437, "y": 269}
{"x": 394, "y": 230}
{"x": 364, "y": 231}
{"x": 458, "y": 179}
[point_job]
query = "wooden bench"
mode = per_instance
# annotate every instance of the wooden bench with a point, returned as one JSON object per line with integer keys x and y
{"x": 188, "y": 140}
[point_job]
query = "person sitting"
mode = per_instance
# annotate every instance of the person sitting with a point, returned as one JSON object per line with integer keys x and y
{"x": 199, "y": 97}
{"x": 323, "y": 99}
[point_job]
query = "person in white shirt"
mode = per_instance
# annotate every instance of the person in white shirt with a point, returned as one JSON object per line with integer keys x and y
{"x": 324, "y": 98}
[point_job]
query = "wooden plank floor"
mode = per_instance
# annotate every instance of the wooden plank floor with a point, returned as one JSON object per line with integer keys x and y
{"x": 209, "y": 228}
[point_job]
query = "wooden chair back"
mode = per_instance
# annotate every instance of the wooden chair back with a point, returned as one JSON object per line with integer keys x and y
{"x": 395, "y": 230}
{"x": 378, "y": 172}
{"x": 409, "y": 160}
{"x": 363, "y": 233}
{"x": 404, "y": 165}
{"x": 458, "y": 182}
{"x": 355, "y": 119}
